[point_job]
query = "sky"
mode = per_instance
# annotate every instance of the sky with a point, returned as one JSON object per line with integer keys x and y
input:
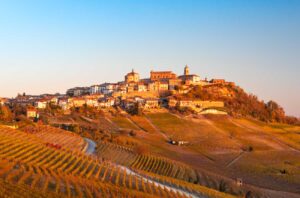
{"x": 51, "y": 45}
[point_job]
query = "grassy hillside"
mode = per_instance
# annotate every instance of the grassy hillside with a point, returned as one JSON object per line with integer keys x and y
{"x": 219, "y": 150}
{"x": 264, "y": 155}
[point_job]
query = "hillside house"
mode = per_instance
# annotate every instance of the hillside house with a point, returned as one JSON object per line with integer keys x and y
{"x": 128, "y": 103}
{"x": 108, "y": 88}
{"x": 173, "y": 83}
{"x": 92, "y": 102}
{"x": 163, "y": 86}
{"x": 32, "y": 112}
{"x": 78, "y": 91}
{"x": 131, "y": 88}
{"x": 139, "y": 99}
{"x": 78, "y": 102}
{"x": 95, "y": 89}
{"x": 121, "y": 88}
{"x": 93, "y": 97}
{"x": 53, "y": 100}
{"x": 63, "y": 103}
{"x": 151, "y": 103}
{"x": 141, "y": 87}
{"x": 172, "y": 102}
{"x": 106, "y": 102}
{"x": 41, "y": 104}
{"x": 153, "y": 86}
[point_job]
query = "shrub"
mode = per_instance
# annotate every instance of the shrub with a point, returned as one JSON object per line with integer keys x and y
{"x": 132, "y": 133}
{"x": 222, "y": 186}
{"x": 141, "y": 149}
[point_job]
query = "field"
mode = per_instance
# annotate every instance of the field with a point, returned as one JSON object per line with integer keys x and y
{"x": 31, "y": 164}
{"x": 262, "y": 155}
{"x": 143, "y": 123}
{"x": 124, "y": 123}
{"x": 219, "y": 150}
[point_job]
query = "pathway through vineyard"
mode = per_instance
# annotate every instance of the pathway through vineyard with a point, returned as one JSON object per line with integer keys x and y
{"x": 91, "y": 148}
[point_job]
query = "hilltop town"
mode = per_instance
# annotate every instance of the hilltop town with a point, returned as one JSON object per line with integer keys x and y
{"x": 151, "y": 93}
{"x": 167, "y": 135}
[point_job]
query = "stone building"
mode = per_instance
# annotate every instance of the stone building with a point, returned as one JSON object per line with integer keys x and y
{"x": 132, "y": 77}
{"x": 188, "y": 78}
{"x": 162, "y": 75}
{"x": 78, "y": 91}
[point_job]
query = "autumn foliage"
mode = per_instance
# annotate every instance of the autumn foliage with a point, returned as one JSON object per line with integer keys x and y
{"x": 239, "y": 103}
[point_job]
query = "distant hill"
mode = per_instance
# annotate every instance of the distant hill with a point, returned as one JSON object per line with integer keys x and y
{"x": 239, "y": 103}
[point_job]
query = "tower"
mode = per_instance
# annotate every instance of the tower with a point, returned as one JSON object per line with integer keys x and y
{"x": 186, "y": 70}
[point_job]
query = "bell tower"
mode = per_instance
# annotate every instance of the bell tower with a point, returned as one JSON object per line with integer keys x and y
{"x": 186, "y": 70}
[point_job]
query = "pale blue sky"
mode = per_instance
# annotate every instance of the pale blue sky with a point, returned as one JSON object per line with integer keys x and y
{"x": 51, "y": 45}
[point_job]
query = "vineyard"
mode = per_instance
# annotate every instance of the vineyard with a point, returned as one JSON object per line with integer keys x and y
{"x": 115, "y": 153}
{"x": 148, "y": 163}
{"x": 163, "y": 168}
{"x": 32, "y": 165}
{"x": 57, "y": 136}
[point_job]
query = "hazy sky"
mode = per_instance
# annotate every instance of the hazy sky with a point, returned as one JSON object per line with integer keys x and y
{"x": 47, "y": 46}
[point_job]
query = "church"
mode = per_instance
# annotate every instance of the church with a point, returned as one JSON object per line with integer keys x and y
{"x": 160, "y": 81}
{"x": 188, "y": 78}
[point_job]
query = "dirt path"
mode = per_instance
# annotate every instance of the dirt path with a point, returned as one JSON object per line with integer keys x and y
{"x": 157, "y": 129}
{"x": 91, "y": 146}
{"x": 159, "y": 184}
{"x": 91, "y": 150}
{"x": 235, "y": 159}
{"x": 134, "y": 124}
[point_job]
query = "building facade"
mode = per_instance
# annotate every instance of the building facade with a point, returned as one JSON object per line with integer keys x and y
{"x": 132, "y": 77}
{"x": 162, "y": 75}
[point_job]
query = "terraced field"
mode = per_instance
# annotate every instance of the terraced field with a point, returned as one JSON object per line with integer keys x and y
{"x": 179, "y": 174}
{"x": 148, "y": 163}
{"x": 32, "y": 165}
{"x": 57, "y": 136}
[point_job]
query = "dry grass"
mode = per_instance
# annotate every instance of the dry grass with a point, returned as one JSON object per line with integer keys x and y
{"x": 179, "y": 128}
{"x": 289, "y": 135}
{"x": 279, "y": 169}
{"x": 143, "y": 123}
{"x": 123, "y": 123}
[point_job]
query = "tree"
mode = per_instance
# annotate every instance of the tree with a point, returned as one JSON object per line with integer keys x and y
{"x": 5, "y": 113}
{"x": 222, "y": 186}
{"x": 276, "y": 112}
{"x": 136, "y": 109}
